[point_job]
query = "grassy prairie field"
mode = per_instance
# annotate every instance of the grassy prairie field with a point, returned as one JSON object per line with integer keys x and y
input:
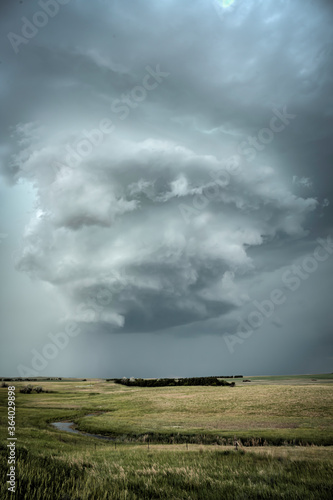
{"x": 174, "y": 442}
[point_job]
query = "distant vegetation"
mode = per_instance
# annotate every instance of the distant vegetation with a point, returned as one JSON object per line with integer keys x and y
{"x": 164, "y": 382}
{"x": 28, "y": 389}
{"x": 24, "y": 379}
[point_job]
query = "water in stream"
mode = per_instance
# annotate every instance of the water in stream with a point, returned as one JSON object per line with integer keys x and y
{"x": 68, "y": 427}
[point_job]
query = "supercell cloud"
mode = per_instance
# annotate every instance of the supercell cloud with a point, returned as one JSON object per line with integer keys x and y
{"x": 180, "y": 162}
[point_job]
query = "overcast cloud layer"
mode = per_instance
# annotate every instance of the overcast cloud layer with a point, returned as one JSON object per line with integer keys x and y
{"x": 179, "y": 156}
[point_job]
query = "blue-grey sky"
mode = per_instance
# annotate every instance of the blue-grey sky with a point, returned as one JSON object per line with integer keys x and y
{"x": 166, "y": 187}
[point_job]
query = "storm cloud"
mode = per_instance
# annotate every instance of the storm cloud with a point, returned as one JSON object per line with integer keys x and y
{"x": 180, "y": 158}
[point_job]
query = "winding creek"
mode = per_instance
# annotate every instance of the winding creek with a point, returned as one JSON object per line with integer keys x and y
{"x": 70, "y": 427}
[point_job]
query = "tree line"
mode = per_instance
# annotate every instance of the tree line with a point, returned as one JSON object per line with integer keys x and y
{"x": 163, "y": 382}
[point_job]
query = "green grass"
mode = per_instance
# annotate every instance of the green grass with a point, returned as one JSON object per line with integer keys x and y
{"x": 136, "y": 473}
{"x": 275, "y": 413}
{"x": 53, "y": 464}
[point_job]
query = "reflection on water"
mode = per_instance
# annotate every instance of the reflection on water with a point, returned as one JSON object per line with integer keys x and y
{"x": 65, "y": 426}
{"x": 68, "y": 427}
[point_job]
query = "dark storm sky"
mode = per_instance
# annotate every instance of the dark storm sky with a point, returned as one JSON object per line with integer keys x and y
{"x": 165, "y": 180}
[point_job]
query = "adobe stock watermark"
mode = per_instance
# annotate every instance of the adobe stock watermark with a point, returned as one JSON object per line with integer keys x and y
{"x": 40, "y": 359}
{"x": 292, "y": 278}
{"x": 88, "y": 311}
{"x": 90, "y": 139}
{"x": 265, "y": 136}
{"x": 30, "y": 28}
{"x": 222, "y": 178}
{"x": 212, "y": 191}
{"x": 123, "y": 106}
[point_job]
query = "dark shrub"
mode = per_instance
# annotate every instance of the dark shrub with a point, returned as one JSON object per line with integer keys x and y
{"x": 27, "y": 389}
